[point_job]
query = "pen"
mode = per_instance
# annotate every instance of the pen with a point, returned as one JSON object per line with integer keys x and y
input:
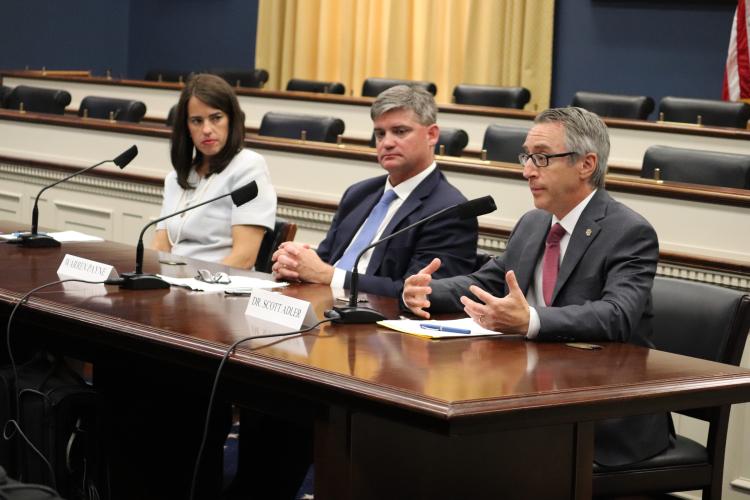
{"x": 447, "y": 329}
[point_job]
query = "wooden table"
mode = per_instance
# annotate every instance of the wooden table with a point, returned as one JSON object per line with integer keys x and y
{"x": 396, "y": 416}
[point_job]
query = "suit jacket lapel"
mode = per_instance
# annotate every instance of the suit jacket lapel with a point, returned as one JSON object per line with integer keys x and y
{"x": 586, "y": 230}
{"x": 532, "y": 251}
{"x": 352, "y": 222}
{"x": 412, "y": 203}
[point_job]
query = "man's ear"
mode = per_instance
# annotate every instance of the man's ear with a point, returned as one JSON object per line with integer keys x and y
{"x": 588, "y": 166}
{"x": 433, "y": 134}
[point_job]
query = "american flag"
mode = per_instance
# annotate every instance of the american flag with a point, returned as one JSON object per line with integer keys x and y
{"x": 737, "y": 74}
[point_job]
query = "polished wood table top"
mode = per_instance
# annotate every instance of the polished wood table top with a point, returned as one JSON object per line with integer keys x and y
{"x": 456, "y": 381}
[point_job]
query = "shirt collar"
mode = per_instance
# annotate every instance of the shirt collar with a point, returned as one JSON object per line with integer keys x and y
{"x": 404, "y": 189}
{"x": 571, "y": 218}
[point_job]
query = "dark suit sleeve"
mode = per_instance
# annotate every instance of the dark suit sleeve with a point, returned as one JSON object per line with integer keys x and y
{"x": 326, "y": 246}
{"x": 453, "y": 240}
{"x": 625, "y": 282}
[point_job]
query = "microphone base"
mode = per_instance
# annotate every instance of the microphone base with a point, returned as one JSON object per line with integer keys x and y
{"x": 142, "y": 281}
{"x": 358, "y": 314}
{"x": 29, "y": 240}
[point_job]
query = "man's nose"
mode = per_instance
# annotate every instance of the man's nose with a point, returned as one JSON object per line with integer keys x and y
{"x": 529, "y": 169}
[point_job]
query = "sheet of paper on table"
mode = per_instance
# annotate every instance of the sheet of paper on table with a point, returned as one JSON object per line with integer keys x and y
{"x": 434, "y": 329}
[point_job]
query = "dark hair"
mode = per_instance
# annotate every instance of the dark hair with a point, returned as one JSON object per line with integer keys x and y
{"x": 217, "y": 93}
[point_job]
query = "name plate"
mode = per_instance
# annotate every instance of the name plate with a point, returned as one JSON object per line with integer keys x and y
{"x": 280, "y": 309}
{"x": 83, "y": 269}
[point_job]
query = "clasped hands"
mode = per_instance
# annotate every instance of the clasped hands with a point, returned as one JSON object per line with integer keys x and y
{"x": 298, "y": 262}
{"x": 509, "y": 314}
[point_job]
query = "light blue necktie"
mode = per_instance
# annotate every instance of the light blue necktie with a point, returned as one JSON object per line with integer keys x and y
{"x": 369, "y": 230}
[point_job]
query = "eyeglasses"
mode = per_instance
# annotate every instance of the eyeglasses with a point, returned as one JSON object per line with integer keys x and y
{"x": 541, "y": 159}
{"x": 209, "y": 277}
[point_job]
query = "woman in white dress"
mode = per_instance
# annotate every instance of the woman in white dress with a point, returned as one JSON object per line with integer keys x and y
{"x": 209, "y": 160}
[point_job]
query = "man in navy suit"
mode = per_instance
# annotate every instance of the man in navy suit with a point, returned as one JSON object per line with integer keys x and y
{"x": 405, "y": 136}
{"x": 578, "y": 268}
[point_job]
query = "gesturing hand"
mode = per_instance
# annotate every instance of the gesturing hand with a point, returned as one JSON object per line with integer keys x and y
{"x": 509, "y": 314}
{"x": 417, "y": 288}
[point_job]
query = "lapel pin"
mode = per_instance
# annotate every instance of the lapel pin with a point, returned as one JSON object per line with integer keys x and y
{"x": 588, "y": 232}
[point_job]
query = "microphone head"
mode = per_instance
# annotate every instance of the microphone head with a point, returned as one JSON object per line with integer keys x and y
{"x": 476, "y": 207}
{"x": 124, "y": 158}
{"x": 243, "y": 194}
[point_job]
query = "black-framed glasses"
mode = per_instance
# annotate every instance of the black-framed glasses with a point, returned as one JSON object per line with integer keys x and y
{"x": 541, "y": 159}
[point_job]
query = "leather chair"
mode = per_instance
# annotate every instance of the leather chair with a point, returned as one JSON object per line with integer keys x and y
{"x": 717, "y": 113}
{"x": 124, "y": 110}
{"x": 39, "y": 100}
{"x": 318, "y": 128}
{"x": 504, "y": 143}
{"x": 167, "y": 75}
{"x": 316, "y": 86}
{"x": 697, "y": 167}
{"x": 485, "y": 95}
{"x": 634, "y": 107}
{"x": 454, "y": 140}
{"x": 4, "y": 92}
{"x": 283, "y": 231}
{"x": 374, "y": 86}
{"x": 254, "y": 78}
{"x": 704, "y": 321}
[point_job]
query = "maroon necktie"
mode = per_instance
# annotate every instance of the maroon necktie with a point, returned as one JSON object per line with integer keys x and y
{"x": 551, "y": 262}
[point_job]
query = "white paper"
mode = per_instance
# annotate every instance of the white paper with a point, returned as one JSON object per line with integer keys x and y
{"x": 61, "y": 236}
{"x": 414, "y": 327}
{"x": 238, "y": 284}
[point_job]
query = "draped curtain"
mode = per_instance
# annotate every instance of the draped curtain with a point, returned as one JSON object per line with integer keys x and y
{"x": 448, "y": 42}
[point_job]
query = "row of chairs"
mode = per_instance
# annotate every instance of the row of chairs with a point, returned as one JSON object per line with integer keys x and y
{"x": 503, "y": 143}
{"x": 54, "y": 101}
{"x": 254, "y": 78}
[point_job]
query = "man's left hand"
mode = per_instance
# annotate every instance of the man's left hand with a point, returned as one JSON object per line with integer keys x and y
{"x": 296, "y": 261}
{"x": 509, "y": 314}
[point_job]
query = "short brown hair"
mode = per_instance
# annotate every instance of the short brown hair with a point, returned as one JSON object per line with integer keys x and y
{"x": 216, "y": 93}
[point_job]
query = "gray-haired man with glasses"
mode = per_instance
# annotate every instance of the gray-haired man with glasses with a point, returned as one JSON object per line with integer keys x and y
{"x": 578, "y": 268}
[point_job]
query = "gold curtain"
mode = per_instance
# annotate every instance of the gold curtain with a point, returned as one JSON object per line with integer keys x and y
{"x": 492, "y": 42}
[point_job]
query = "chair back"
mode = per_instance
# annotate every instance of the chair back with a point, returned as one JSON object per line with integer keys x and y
{"x": 125, "y": 110}
{"x": 39, "y": 100}
{"x": 634, "y": 107}
{"x": 167, "y": 75}
{"x": 697, "y": 167}
{"x": 453, "y": 139}
{"x": 4, "y": 92}
{"x": 283, "y": 231}
{"x": 254, "y": 78}
{"x": 486, "y": 95}
{"x": 317, "y": 128}
{"x": 712, "y": 112}
{"x": 504, "y": 143}
{"x": 316, "y": 86}
{"x": 700, "y": 320}
{"x": 374, "y": 86}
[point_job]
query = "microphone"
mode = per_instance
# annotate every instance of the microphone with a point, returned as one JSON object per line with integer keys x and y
{"x": 353, "y": 313}
{"x": 35, "y": 240}
{"x": 138, "y": 280}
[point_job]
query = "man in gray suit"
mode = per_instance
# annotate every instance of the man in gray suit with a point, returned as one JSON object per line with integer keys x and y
{"x": 578, "y": 268}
